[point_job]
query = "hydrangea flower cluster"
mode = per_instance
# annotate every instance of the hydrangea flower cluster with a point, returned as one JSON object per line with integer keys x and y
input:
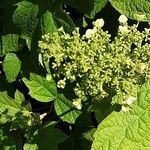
{"x": 96, "y": 64}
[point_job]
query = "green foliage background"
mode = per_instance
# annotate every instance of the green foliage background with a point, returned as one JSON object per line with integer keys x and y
{"x": 27, "y": 93}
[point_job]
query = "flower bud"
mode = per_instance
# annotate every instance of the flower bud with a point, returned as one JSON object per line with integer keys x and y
{"x": 77, "y": 103}
{"x": 123, "y": 19}
{"x": 99, "y": 23}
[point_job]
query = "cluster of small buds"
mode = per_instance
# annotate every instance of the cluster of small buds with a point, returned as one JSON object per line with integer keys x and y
{"x": 97, "y": 63}
{"x": 99, "y": 23}
{"x": 77, "y": 103}
{"x": 123, "y": 27}
{"x": 61, "y": 83}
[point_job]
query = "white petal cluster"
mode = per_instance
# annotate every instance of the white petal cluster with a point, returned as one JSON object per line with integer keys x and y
{"x": 61, "y": 83}
{"x": 99, "y": 23}
{"x": 123, "y": 29}
{"x": 123, "y": 19}
{"x": 131, "y": 99}
{"x": 77, "y": 103}
{"x": 90, "y": 33}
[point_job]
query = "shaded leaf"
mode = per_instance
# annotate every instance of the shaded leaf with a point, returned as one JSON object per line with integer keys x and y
{"x": 88, "y": 7}
{"x": 62, "y": 19}
{"x": 65, "y": 110}
{"x": 47, "y": 138}
{"x": 9, "y": 43}
{"x": 25, "y": 18}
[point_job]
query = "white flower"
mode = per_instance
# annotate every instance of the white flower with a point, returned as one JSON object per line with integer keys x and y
{"x": 123, "y": 29}
{"x": 99, "y": 23}
{"x": 61, "y": 83}
{"x": 123, "y": 19}
{"x": 77, "y": 103}
{"x": 131, "y": 99}
{"x": 125, "y": 109}
{"x": 89, "y": 33}
{"x": 40, "y": 59}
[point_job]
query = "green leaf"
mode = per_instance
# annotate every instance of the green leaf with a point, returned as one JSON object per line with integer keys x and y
{"x": 11, "y": 66}
{"x": 127, "y": 130}
{"x": 40, "y": 88}
{"x": 8, "y": 107}
{"x": 47, "y": 138}
{"x": 48, "y": 25}
{"x": 101, "y": 108}
{"x": 25, "y": 18}
{"x": 133, "y": 8}
{"x": 9, "y": 43}
{"x": 98, "y": 5}
{"x": 62, "y": 19}
{"x": 65, "y": 110}
{"x": 88, "y": 7}
{"x": 19, "y": 97}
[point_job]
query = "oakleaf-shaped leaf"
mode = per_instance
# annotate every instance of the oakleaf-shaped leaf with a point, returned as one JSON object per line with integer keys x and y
{"x": 40, "y": 88}
{"x": 134, "y": 9}
{"x": 25, "y": 18}
{"x": 65, "y": 110}
{"x": 126, "y": 130}
{"x": 11, "y": 66}
{"x": 47, "y": 138}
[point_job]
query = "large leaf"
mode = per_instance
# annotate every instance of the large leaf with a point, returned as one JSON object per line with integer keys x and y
{"x": 40, "y": 88}
{"x": 88, "y": 7}
{"x": 127, "y": 130}
{"x": 11, "y": 66}
{"x": 9, "y": 43}
{"x": 47, "y": 138}
{"x": 65, "y": 110}
{"x": 133, "y": 8}
{"x": 25, "y": 18}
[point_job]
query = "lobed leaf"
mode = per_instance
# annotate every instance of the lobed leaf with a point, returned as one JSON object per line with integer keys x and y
{"x": 126, "y": 130}
{"x": 40, "y": 88}
{"x": 133, "y": 8}
{"x": 25, "y": 18}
